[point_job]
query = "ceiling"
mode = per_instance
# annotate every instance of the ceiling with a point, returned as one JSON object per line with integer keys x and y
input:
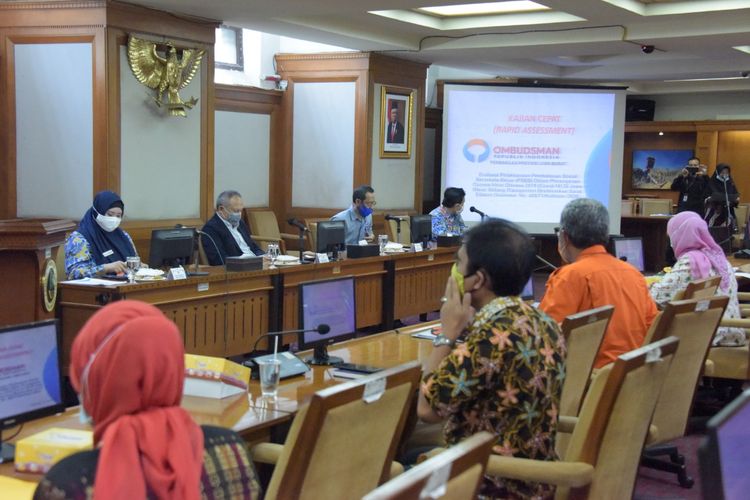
{"x": 576, "y": 41}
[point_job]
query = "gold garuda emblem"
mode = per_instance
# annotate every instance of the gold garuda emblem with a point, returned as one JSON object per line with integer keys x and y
{"x": 165, "y": 73}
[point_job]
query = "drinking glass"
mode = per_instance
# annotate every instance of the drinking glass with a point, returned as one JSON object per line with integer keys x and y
{"x": 269, "y": 372}
{"x": 382, "y": 241}
{"x": 133, "y": 264}
{"x": 273, "y": 252}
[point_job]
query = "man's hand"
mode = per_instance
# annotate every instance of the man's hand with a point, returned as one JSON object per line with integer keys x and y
{"x": 456, "y": 311}
{"x": 702, "y": 170}
{"x": 685, "y": 172}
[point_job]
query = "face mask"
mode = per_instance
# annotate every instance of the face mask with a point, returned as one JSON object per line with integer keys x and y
{"x": 83, "y": 417}
{"x": 724, "y": 178}
{"x": 108, "y": 223}
{"x": 234, "y": 218}
{"x": 459, "y": 278}
{"x": 460, "y": 210}
{"x": 364, "y": 211}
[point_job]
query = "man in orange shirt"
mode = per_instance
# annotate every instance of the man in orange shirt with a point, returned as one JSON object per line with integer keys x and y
{"x": 594, "y": 278}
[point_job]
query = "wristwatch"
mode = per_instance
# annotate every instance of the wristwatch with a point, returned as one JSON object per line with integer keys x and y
{"x": 441, "y": 339}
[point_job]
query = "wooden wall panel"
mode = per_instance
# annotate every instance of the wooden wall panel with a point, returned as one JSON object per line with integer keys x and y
{"x": 733, "y": 148}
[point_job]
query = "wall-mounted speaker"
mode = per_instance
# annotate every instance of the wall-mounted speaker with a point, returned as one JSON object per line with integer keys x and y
{"x": 639, "y": 110}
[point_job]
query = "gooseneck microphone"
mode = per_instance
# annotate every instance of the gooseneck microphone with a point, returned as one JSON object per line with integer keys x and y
{"x": 399, "y": 218}
{"x": 477, "y": 211}
{"x": 546, "y": 262}
{"x": 202, "y": 233}
{"x": 322, "y": 329}
{"x": 292, "y": 221}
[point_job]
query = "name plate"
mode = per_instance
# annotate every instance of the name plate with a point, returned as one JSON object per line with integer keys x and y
{"x": 417, "y": 247}
{"x": 177, "y": 273}
{"x": 321, "y": 258}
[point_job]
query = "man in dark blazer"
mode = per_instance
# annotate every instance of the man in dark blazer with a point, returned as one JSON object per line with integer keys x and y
{"x": 228, "y": 231}
{"x": 394, "y": 133}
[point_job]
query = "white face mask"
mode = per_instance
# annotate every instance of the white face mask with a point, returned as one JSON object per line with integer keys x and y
{"x": 107, "y": 222}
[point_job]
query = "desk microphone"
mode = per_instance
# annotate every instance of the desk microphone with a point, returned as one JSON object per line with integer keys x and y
{"x": 296, "y": 223}
{"x": 546, "y": 262}
{"x": 322, "y": 329}
{"x": 203, "y": 233}
{"x": 395, "y": 217}
{"x": 477, "y": 211}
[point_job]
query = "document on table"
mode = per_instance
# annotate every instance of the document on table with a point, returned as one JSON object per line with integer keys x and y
{"x": 93, "y": 282}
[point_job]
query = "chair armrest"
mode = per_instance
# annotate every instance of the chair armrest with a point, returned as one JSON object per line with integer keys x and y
{"x": 269, "y": 239}
{"x": 736, "y": 322}
{"x": 566, "y": 424}
{"x": 653, "y": 435}
{"x": 572, "y": 474}
{"x": 743, "y": 296}
{"x": 266, "y": 453}
{"x": 290, "y": 236}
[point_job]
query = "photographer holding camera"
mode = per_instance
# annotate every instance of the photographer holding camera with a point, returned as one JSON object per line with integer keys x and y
{"x": 691, "y": 183}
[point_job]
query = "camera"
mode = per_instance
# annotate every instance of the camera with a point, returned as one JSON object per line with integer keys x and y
{"x": 692, "y": 170}
{"x": 647, "y": 49}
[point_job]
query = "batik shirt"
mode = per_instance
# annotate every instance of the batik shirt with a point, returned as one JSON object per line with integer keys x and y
{"x": 79, "y": 263}
{"x": 506, "y": 378}
{"x": 444, "y": 223}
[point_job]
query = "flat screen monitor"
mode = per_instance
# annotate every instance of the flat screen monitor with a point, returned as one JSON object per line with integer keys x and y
{"x": 630, "y": 250}
{"x": 332, "y": 303}
{"x": 171, "y": 247}
{"x": 421, "y": 228}
{"x": 30, "y": 377}
{"x": 330, "y": 236}
{"x": 725, "y": 452}
{"x": 528, "y": 289}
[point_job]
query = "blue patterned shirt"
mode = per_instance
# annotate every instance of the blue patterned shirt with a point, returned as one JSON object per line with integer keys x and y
{"x": 444, "y": 223}
{"x": 78, "y": 260}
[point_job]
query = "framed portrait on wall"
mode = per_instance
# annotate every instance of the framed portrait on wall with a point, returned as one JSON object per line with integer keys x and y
{"x": 395, "y": 122}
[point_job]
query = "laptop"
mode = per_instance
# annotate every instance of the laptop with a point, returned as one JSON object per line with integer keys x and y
{"x": 630, "y": 250}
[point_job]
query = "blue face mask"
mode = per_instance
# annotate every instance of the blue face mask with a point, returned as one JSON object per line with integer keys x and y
{"x": 83, "y": 417}
{"x": 234, "y": 218}
{"x": 364, "y": 211}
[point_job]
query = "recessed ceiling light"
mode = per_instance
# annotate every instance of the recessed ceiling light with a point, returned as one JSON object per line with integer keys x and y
{"x": 708, "y": 79}
{"x": 477, "y": 9}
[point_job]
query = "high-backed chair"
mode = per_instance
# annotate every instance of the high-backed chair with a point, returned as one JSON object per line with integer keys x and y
{"x": 583, "y": 334}
{"x": 652, "y": 206}
{"x": 608, "y": 436}
{"x": 694, "y": 322}
{"x": 342, "y": 444}
{"x": 733, "y": 362}
{"x": 392, "y": 227}
{"x": 312, "y": 225}
{"x": 741, "y": 212}
{"x": 264, "y": 229}
{"x": 454, "y": 474}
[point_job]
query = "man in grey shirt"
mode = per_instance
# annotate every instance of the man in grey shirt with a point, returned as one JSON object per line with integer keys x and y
{"x": 358, "y": 217}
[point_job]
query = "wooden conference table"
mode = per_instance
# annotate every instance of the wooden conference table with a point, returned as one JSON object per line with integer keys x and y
{"x": 255, "y": 417}
{"x": 223, "y": 314}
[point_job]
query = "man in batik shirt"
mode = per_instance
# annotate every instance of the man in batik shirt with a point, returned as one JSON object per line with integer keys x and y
{"x": 507, "y": 376}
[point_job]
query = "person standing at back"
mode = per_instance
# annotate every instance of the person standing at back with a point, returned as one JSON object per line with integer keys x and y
{"x": 691, "y": 183}
{"x": 593, "y": 278}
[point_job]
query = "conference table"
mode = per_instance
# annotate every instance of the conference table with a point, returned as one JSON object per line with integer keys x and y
{"x": 224, "y": 313}
{"x": 258, "y": 419}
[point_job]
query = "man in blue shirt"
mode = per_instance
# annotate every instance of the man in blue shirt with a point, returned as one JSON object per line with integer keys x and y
{"x": 358, "y": 217}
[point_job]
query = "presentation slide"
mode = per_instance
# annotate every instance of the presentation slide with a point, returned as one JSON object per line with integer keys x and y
{"x": 29, "y": 373}
{"x": 523, "y": 153}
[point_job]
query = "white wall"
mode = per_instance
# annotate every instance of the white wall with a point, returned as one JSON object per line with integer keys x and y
{"x": 393, "y": 178}
{"x": 323, "y": 144}
{"x": 160, "y": 154}
{"x": 241, "y": 155}
{"x": 54, "y": 129}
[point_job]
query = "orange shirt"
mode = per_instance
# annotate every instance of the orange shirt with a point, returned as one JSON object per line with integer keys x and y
{"x": 598, "y": 279}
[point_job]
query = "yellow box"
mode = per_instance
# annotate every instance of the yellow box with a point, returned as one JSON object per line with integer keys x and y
{"x": 41, "y": 451}
{"x": 212, "y": 377}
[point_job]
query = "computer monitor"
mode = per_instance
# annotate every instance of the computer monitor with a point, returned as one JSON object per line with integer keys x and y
{"x": 528, "y": 289}
{"x": 630, "y": 250}
{"x": 330, "y": 236}
{"x": 421, "y": 228}
{"x": 30, "y": 377}
{"x": 725, "y": 452}
{"x": 171, "y": 247}
{"x": 329, "y": 302}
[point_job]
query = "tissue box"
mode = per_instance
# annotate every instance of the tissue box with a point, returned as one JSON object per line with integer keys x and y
{"x": 41, "y": 451}
{"x": 211, "y": 377}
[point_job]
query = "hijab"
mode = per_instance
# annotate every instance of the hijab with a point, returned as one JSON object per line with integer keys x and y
{"x": 689, "y": 235}
{"x": 127, "y": 364}
{"x": 102, "y": 241}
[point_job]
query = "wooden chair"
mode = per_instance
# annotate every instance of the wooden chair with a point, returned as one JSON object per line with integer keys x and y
{"x": 312, "y": 225}
{"x": 627, "y": 207}
{"x": 732, "y": 362}
{"x": 656, "y": 206}
{"x": 694, "y": 322}
{"x": 392, "y": 227}
{"x": 343, "y": 443}
{"x": 264, "y": 229}
{"x": 608, "y": 436}
{"x": 741, "y": 212}
{"x": 699, "y": 289}
{"x": 454, "y": 474}
{"x": 583, "y": 334}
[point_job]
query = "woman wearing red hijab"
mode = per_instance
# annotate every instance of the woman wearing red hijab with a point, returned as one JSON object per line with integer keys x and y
{"x": 127, "y": 365}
